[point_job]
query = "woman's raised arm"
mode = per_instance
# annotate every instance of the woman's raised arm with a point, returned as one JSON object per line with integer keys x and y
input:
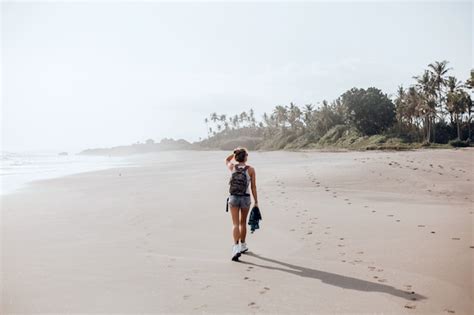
{"x": 228, "y": 161}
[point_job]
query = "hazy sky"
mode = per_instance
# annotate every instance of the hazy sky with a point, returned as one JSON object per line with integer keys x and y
{"x": 79, "y": 75}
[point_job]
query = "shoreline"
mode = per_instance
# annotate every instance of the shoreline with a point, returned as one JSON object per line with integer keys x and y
{"x": 19, "y": 171}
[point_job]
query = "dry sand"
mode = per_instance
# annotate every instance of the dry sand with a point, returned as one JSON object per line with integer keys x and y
{"x": 354, "y": 232}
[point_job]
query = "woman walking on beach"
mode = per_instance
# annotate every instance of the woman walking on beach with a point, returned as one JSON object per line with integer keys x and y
{"x": 242, "y": 177}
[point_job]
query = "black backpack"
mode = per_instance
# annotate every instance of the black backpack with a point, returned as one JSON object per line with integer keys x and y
{"x": 238, "y": 181}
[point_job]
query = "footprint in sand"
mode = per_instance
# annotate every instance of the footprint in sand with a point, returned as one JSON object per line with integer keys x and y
{"x": 421, "y": 225}
{"x": 253, "y": 305}
{"x": 456, "y": 239}
{"x": 186, "y": 297}
{"x": 410, "y": 306}
{"x": 449, "y": 311}
{"x": 265, "y": 289}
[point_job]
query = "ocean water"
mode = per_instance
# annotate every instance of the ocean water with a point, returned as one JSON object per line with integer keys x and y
{"x": 19, "y": 169}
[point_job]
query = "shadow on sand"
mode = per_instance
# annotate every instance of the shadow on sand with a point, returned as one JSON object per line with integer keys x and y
{"x": 335, "y": 279}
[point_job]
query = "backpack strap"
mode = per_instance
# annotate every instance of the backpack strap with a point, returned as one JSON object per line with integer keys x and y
{"x": 240, "y": 168}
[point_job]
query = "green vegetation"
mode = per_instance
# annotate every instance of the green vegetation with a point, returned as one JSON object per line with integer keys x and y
{"x": 436, "y": 111}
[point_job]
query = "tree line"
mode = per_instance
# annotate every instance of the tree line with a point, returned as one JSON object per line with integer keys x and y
{"x": 437, "y": 107}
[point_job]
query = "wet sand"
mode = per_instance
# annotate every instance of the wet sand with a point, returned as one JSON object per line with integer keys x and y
{"x": 352, "y": 232}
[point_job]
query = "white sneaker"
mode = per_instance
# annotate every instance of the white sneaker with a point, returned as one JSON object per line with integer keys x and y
{"x": 243, "y": 247}
{"x": 236, "y": 252}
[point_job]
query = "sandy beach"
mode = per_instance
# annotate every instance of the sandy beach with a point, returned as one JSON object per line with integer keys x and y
{"x": 342, "y": 232}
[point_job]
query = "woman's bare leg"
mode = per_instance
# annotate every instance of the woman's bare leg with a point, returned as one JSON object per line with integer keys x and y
{"x": 243, "y": 224}
{"x": 234, "y": 211}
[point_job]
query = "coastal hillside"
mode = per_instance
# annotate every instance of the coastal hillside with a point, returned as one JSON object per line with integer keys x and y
{"x": 435, "y": 111}
{"x": 139, "y": 148}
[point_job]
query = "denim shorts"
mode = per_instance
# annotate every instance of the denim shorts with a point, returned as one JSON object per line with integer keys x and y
{"x": 239, "y": 201}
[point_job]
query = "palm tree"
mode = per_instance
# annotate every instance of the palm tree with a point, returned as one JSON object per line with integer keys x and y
{"x": 294, "y": 116}
{"x": 438, "y": 70}
{"x": 206, "y": 121}
{"x": 426, "y": 88}
{"x": 243, "y": 117}
{"x": 214, "y": 117}
{"x": 307, "y": 111}
{"x": 470, "y": 82}
{"x": 453, "y": 86}
{"x": 235, "y": 121}
{"x": 265, "y": 119}
{"x": 252, "y": 118}
{"x": 458, "y": 103}
{"x": 281, "y": 116}
{"x": 400, "y": 107}
{"x": 470, "y": 86}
